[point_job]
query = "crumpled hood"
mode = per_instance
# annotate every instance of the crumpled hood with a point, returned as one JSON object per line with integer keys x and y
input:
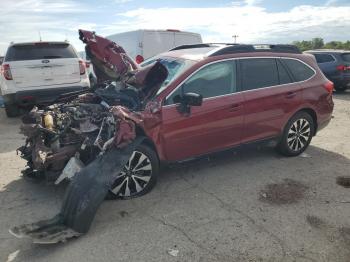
{"x": 111, "y": 62}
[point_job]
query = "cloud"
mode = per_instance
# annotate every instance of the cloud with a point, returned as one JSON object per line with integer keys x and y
{"x": 252, "y": 23}
{"x": 122, "y": 1}
{"x": 23, "y": 19}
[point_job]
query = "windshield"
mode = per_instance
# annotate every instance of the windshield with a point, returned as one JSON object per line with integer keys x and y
{"x": 175, "y": 67}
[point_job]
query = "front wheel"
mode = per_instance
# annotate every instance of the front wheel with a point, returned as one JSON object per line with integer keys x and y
{"x": 297, "y": 135}
{"x": 138, "y": 176}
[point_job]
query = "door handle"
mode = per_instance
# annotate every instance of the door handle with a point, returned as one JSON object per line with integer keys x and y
{"x": 291, "y": 95}
{"x": 234, "y": 107}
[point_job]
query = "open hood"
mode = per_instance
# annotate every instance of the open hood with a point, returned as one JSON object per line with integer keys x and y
{"x": 111, "y": 62}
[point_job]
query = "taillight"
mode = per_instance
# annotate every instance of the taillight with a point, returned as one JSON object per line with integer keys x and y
{"x": 87, "y": 64}
{"x": 82, "y": 67}
{"x": 341, "y": 67}
{"x": 6, "y": 71}
{"x": 139, "y": 59}
{"x": 329, "y": 86}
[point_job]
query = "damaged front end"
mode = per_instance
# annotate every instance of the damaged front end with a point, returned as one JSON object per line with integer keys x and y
{"x": 87, "y": 137}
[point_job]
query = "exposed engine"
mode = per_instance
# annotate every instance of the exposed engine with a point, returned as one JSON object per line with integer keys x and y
{"x": 76, "y": 130}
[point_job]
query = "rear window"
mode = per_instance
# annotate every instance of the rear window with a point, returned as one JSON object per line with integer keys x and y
{"x": 40, "y": 51}
{"x": 324, "y": 58}
{"x": 346, "y": 57}
{"x": 299, "y": 70}
{"x": 258, "y": 73}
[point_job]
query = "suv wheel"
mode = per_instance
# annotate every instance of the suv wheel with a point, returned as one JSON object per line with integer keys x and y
{"x": 138, "y": 176}
{"x": 11, "y": 110}
{"x": 297, "y": 134}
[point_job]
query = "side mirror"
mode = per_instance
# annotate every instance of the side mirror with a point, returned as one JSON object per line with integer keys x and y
{"x": 187, "y": 100}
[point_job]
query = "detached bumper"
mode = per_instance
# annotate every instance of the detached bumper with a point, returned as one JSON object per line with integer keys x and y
{"x": 39, "y": 96}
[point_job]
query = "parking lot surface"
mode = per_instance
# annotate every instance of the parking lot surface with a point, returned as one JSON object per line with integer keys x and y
{"x": 247, "y": 205}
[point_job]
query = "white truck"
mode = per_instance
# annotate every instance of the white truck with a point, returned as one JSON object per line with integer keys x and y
{"x": 38, "y": 72}
{"x": 143, "y": 44}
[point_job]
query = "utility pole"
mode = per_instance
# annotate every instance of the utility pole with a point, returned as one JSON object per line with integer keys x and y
{"x": 235, "y": 37}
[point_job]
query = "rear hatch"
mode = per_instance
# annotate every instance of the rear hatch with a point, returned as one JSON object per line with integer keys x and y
{"x": 43, "y": 64}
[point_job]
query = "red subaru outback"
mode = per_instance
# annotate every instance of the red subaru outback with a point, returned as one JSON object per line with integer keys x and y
{"x": 219, "y": 96}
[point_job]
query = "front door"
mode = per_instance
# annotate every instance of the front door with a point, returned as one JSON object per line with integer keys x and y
{"x": 215, "y": 125}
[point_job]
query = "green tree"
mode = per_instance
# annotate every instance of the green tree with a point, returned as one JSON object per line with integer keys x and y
{"x": 317, "y": 43}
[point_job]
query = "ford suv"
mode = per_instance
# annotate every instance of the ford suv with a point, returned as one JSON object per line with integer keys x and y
{"x": 37, "y": 73}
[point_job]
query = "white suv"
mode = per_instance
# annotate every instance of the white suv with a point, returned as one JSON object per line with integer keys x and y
{"x": 38, "y": 72}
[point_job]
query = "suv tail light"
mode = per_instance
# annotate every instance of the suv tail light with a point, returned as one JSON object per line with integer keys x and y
{"x": 82, "y": 67}
{"x": 6, "y": 71}
{"x": 87, "y": 64}
{"x": 139, "y": 59}
{"x": 343, "y": 68}
{"x": 329, "y": 86}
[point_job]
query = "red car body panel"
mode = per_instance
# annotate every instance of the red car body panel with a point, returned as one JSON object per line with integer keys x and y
{"x": 216, "y": 124}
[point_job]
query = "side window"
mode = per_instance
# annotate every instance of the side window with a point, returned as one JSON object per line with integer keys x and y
{"x": 283, "y": 74}
{"x": 258, "y": 72}
{"x": 299, "y": 70}
{"x": 323, "y": 58}
{"x": 213, "y": 80}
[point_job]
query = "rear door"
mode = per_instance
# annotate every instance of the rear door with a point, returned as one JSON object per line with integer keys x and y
{"x": 43, "y": 64}
{"x": 214, "y": 125}
{"x": 269, "y": 97}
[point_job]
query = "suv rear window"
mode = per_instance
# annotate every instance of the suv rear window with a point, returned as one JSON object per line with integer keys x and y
{"x": 40, "y": 51}
{"x": 324, "y": 58}
{"x": 299, "y": 70}
{"x": 346, "y": 57}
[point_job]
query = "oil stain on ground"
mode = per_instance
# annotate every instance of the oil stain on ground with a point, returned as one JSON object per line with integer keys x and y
{"x": 287, "y": 192}
{"x": 343, "y": 181}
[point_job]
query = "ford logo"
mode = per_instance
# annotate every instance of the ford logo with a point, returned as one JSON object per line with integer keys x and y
{"x": 45, "y": 61}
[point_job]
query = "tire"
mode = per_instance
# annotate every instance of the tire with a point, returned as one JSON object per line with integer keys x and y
{"x": 11, "y": 110}
{"x": 340, "y": 88}
{"x": 140, "y": 183}
{"x": 296, "y": 135}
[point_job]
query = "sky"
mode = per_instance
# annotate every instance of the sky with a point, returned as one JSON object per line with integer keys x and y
{"x": 254, "y": 21}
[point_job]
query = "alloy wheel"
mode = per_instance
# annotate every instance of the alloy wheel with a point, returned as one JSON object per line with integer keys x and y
{"x": 299, "y": 134}
{"x": 134, "y": 177}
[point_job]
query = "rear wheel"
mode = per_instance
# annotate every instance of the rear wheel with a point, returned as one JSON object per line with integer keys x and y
{"x": 11, "y": 110}
{"x": 297, "y": 134}
{"x": 138, "y": 176}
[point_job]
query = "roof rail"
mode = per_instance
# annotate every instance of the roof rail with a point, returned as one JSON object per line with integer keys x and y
{"x": 231, "y": 48}
{"x": 256, "y": 48}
